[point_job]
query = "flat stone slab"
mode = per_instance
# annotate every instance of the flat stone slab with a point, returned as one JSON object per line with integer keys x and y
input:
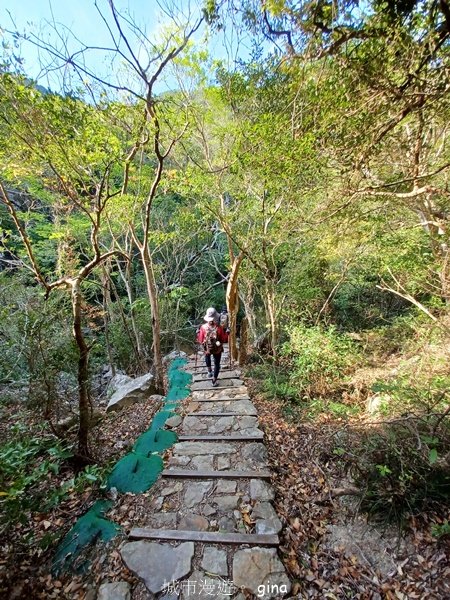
{"x": 242, "y": 406}
{"x": 174, "y": 421}
{"x": 195, "y": 492}
{"x": 267, "y": 520}
{"x": 218, "y": 392}
{"x": 193, "y": 522}
{"x": 220, "y": 438}
{"x": 229, "y": 374}
{"x": 214, "y": 561}
{"x": 196, "y": 448}
{"x": 119, "y": 590}
{"x": 210, "y": 474}
{"x": 220, "y": 424}
{"x": 256, "y": 567}
{"x": 261, "y": 490}
{"x": 222, "y": 383}
{"x": 157, "y": 564}
{"x": 227, "y": 398}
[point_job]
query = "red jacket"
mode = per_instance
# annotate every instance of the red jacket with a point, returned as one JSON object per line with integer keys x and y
{"x": 222, "y": 336}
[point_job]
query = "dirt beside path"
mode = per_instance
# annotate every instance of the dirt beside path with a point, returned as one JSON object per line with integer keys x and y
{"x": 328, "y": 548}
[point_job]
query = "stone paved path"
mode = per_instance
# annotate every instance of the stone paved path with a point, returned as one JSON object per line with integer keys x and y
{"x": 214, "y": 529}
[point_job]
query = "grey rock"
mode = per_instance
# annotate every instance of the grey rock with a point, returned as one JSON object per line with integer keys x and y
{"x": 132, "y": 391}
{"x": 162, "y": 519}
{"x": 245, "y": 407}
{"x": 226, "y": 486}
{"x": 202, "y": 462}
{"x": 214, "y": 561}
{"x": 158, "y": 502}
{"x": 194, "y": 425}
{"x": 272, "y": 525}
{"x": 267, "y": 520}
{"x": 155, "y": 398}
{"x": 195, "y": 448}
{"x": 261, "y": 490}
{"x": 195, "y": 492}
{"x": 254, "y": 456}
{"x": 174, "y": 421}
{"x": 251, "y": 431}
{"x": 223, "y": 463}
{"x": 263, "y": 510}
{"x": 158, "y": 564}
{"x": 193, "y": 522}
{"x": 246, "y": 422}
{"x": 179, "y": 461}
{"x": 226, "y": 524}
{"x": 174, "y": 355}
{"x": 120, "y": 379}
{"x": 256, "y": 567}
{"x": 209, "y": 510}
{"x": 172, "y": 489}
{"x": 226, "y": 502}
{"x": 221, "y": 424}
{"x": 222, "y": 375}
{"x": 119, "y": 590}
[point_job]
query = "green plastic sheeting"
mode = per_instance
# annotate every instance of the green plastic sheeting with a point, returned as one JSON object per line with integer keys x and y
{"x": 179, "y": 381}
{"x": 154, "y": 441}
{"x": 136, "y": 472}
{"x": 89, "y": 528}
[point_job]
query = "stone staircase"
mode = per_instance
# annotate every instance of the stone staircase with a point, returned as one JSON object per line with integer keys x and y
{"x": 214, "y": 531}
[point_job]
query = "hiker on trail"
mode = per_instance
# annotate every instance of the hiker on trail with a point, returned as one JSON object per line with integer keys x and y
{"x": 223, "y": 318}
{"x": 212, "y": 337}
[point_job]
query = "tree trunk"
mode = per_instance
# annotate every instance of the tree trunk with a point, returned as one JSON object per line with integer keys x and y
{"x": 127, "y": 279}
{"x": 232, "y": 298}
{"x": 244, "y": 342}
{"x": 83, "y": 374}
{"x": 106, "y": 305}
{"x": 247, "y": 297}
{"x": 153, "y": 297}
{"x": 271, "y": 313}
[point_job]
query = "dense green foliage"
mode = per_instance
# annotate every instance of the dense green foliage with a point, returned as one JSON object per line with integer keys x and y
{"x": 314, "y": 175}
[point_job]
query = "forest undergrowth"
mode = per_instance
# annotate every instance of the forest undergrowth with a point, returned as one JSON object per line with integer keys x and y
{"x": 360, "y": 448}
{"x": 51, "y": 493}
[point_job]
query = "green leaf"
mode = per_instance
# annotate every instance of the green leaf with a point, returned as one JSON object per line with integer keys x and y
{"x": 433, "y": 456}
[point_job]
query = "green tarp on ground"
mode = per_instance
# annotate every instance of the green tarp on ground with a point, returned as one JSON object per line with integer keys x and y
{"x": 89, "y": 528}
{"x": 136, "y": 472}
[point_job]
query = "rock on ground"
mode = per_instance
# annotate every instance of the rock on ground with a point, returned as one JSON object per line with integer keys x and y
{"x": 131, "y": 391}
{"x": 214, "y": 561}
{"x": 260, "y": 571}
{"x": 158, "y": 564}
{"x": 173, "y": 355}
{"x": 119, "y": 590}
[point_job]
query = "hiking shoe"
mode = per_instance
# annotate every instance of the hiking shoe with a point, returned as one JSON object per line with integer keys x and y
{"x": 215, "y": 383}
{"x": 210, "y": 374}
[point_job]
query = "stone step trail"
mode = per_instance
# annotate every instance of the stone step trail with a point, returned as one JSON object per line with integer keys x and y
{"x": 205, "y": 536}
{"x": 221, "y": 438}
{"x": 213, "y": 474}
{"x": 211, "y": 522}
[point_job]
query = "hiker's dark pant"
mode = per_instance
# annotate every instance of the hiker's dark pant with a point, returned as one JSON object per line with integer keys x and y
{"x": 216, "y": 358}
